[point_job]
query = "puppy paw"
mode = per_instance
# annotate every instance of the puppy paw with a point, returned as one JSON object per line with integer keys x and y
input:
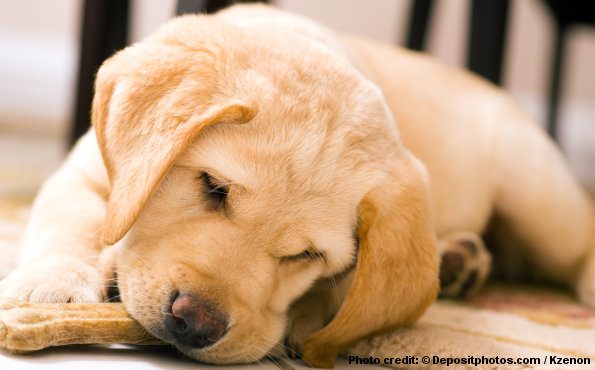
{"x": 465, "y": 265}
{"x": 54, "y": 280}
{"x": 300, "y": 329}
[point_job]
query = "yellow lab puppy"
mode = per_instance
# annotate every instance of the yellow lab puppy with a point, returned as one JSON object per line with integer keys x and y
{"x": 248, "y": 171}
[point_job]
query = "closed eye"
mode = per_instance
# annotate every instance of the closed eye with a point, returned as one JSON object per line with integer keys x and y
{"x": 214, "y": 190}
{"x": 309, "y": 254}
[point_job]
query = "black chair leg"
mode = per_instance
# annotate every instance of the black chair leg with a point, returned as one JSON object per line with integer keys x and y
{"x": 421, "y": 12}
{"x": 104, "y": 30}
{"x": 487, "y": 36}
{"x": 557, "y": 71}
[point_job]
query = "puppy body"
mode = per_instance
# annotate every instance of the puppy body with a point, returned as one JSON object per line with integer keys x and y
{"x": 284, "y": 113}
{"x": 486, "y": 158}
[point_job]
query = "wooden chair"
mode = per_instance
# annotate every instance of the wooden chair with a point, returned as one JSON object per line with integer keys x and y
{"x": 487, "y": 40}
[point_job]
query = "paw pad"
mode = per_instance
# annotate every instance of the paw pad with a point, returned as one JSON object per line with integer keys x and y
{"x": 465, "y": 265}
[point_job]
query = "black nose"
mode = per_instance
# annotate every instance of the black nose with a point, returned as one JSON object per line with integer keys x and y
{"x": 195, "y": 322}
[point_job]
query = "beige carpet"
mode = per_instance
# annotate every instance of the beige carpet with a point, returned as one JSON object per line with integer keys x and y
{"x": 503, "y": 321}
{"x": 515, "y": 323}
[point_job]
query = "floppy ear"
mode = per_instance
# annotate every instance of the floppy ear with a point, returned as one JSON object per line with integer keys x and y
{"x": 139, "y": 149}
{"x": 396, "y": 275}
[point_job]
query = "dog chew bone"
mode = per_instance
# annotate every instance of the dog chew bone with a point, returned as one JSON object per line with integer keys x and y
{"x": 26, "y": 327}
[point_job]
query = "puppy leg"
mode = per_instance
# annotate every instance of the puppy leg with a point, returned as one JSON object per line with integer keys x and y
{"x": 109, "y": 274}
{"x": 540, "y": 200}
{"x": 58, "y": 261}
{"x": 306, "y": 316}
{"x": 465, "y": 264}
{"x": 313, "y": 311}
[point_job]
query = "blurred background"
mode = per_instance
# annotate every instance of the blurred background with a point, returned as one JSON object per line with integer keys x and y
{"x": 49, "y": 51}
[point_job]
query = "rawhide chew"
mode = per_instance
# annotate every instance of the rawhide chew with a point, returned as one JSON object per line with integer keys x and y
{"x": 26, "y": 327}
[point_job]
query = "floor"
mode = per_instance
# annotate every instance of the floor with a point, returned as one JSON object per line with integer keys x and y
{"x": 25, "y": 161}
{"x": 134, "y": 358}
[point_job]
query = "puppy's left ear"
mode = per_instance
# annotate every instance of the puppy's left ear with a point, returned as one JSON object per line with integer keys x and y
{"x": 396, "y": 275}
{"x": 139, "y": 151}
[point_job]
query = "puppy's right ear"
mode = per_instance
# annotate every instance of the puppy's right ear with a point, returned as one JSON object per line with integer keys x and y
{"x": 140, "y": 136}
{"x": 396, "y": 275}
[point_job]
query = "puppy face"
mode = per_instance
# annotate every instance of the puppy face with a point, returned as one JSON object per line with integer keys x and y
{"x": 236, "y": 184}
{"x": 246, "y": 226}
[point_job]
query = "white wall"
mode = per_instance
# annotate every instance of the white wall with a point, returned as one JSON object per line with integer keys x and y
{"x": 38, "y": 56}
{"x": 149, "y": 14}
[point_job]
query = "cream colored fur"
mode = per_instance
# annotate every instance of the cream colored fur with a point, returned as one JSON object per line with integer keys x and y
{"x": 300, "y": 123}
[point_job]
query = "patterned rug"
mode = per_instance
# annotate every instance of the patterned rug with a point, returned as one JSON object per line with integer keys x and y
{"x": 500, "y": 328}
{"x": 503, "y": 327}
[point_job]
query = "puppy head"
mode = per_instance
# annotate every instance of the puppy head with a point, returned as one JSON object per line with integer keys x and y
{"x": 237, "y": 183}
